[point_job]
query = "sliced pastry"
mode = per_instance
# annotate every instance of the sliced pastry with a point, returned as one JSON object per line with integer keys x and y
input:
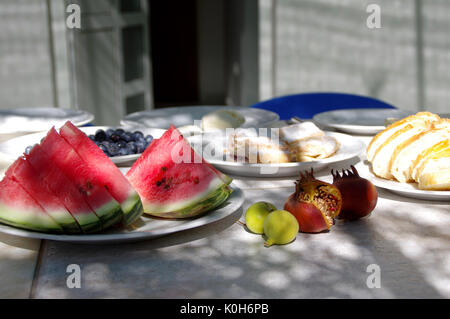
{"x": 434, "y": 172}
{"x": 381, "y": 158}
{"x": 293, "y": 133}
{"x": 434, "y": 151}
{"x": 396, "y": 128}
{"x": 405, "y": 154}
{"x": 314, "y": 148}
{"x": 256, "y": 149}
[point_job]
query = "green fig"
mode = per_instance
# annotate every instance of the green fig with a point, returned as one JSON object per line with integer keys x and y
{"x": 280, "y": 227}
{"x": 256, "y": 214}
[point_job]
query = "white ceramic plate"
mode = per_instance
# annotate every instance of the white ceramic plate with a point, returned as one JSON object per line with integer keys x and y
{"x": 349, "y": 148}
{"x": 143, "y": 229}
{"x": 13, "y": 148}
{"x": 404, "y": 189}
{"x": 28, "y": 120}
{"x": 186, "y": 115}
{"x": 358, "y": 121}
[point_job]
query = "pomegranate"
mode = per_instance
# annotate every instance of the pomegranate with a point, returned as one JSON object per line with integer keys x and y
{"x": 314, "y": 204}
{"x": 359, "y": 195}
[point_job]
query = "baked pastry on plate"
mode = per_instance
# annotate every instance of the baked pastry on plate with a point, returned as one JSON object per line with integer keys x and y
{"x": 413, "y": 149}
{"x": 301, "y": 142}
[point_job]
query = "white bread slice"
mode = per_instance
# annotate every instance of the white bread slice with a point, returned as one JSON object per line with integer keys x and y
{"x": 406, "y": 153}
{"x": 314, "y": 148}
{"x": 433, "y": 151}
{"x": 434, "y": 173}
{"x": 381, "y": 158}
{"x": 442, "y": 124}
{"x": 384, "y": 135}
{"x": 296, "y": 132}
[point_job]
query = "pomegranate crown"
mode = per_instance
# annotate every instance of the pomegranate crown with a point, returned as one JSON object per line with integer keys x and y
{"x": 345, "y": 173}
{"x": 305, "y": 177}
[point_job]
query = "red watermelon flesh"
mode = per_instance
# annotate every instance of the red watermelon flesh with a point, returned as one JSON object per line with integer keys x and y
{"x": 23, "y": 173}
{"x": 97, "y": 196}
{"x": 174, "y": 181}
{"x": 19, "y": 209}
{"x": 55, "y": 181}
{"x": 105, "y": 171}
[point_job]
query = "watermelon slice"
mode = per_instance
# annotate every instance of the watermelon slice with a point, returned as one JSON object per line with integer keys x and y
{"x": 96, "y": 195}
{"x": 19, "y": 209}
{"x": 175, "y": 182}
{"x": 56, "y": 182}
{"x": 105, "y": 171}
{"x": 23, "y": 173}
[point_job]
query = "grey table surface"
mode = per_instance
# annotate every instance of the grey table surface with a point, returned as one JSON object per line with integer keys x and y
{"x": 407, "y": 240}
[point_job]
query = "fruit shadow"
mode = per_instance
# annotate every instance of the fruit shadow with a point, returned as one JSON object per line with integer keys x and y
{"x": 386, "y": 236}
{"x": 222, "y": 261}
{"x": 235, "y": 264}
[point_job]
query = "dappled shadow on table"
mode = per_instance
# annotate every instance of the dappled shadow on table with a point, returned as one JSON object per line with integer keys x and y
{"x": 222, "y": 260}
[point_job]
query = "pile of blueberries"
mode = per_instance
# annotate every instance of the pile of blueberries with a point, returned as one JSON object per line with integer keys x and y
{"x": 118, "y": 142}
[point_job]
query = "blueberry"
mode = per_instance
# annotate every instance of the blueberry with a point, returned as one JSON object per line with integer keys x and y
{"x": 123, "y": 152}
{"x": 121, "y": 144}
{"x": 104, "y": 148}
{"x": 127, "y": 137}
{"x": 148, "y": 139}
{"x": 132, "y": 148}
{"x": 28, "y": 150}
{"x": 109, "y": 132}
{"x": 119, "y": 131}
{"x": 100, "y": 135}
{"x": 92, "y": 137}
{"x": 141, "y": 139}
{"x": 138, "y": 135}
{"x": 140, "y": 147}
{"x": 113, "y": 149}
{"x": 115, "y": 137}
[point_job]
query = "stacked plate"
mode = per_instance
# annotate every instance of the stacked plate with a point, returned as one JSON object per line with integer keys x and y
{"x": 16, "y": 122}
{"x": 188, "y": 115}
{"x": 359, "y": 121}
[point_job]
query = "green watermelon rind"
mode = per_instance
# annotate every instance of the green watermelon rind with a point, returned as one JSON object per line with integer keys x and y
{"x": 89, "y": 223}
{"x": 209, "y": 203}
{"x": 65, "y": 220}
{"x": 131, "y": 205}
{"x": 27, "y": 219}
{"x": 202, "y": 205}
{"x": 60, "y": 215}
{"x": 225, "y": 178}
{"x": 132, "y": 209}
{"x": 109, "y": 213}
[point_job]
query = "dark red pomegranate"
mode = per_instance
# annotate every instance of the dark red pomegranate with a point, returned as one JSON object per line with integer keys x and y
{"x": 359, "y": 196}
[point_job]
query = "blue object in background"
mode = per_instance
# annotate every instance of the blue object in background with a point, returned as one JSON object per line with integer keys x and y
{"x": 306, "y": 105}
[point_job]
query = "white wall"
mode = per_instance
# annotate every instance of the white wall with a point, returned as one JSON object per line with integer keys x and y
{"x": 25, "y": 75}
{"x": 325, "y": 45}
